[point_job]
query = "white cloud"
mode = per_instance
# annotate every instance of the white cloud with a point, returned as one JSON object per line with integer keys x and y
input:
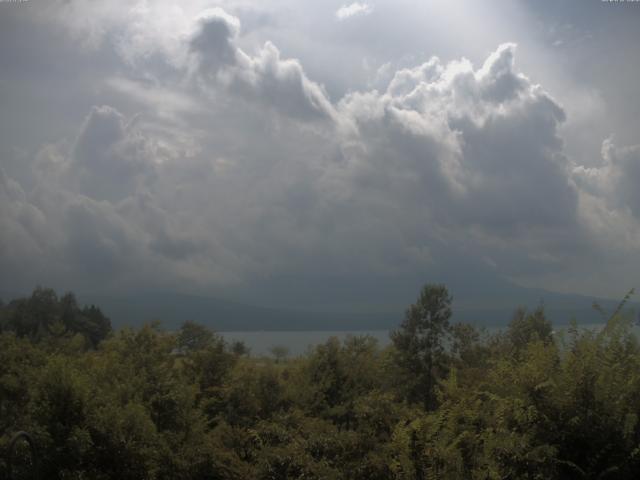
{"x": 488, "y": 133}
{"x": 448, "y": 159}
{"x": 616, "y": 179}
{"x": 353, "y": 10}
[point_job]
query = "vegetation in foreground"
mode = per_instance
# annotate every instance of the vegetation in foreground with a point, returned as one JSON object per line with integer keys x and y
{"x": 443, "y": 401}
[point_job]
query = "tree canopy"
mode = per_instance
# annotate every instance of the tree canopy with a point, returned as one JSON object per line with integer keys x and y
{"x": 420, "y": 342}
{"x": 443, "y": 400}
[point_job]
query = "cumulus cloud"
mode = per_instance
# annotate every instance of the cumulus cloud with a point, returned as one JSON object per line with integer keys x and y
{"x": 214, "y": 39}
{"x": 353, "y": 10}
{"x": 163, "y": 43}
{"x": 616, "y": 178}
{"x": 224, "y": 165}
{"x": 611, "y": 205}
{"x": 281, "y": 83}
{"x": 110, "y": 159}
{"x": 481, "y": 145}
{"x": 22, "y": 225}
{"x": 445, "y": 153}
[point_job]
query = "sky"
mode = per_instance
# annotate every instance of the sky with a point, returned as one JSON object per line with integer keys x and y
{"x": 326, "y": 154}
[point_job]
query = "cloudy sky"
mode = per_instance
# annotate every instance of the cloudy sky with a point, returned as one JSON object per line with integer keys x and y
{"x": 296, "y": 152}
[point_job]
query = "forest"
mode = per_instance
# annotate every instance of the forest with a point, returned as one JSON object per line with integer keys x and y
{"x": 443, "y": 401}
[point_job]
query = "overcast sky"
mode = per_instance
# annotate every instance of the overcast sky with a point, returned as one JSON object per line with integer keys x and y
{"x": 292, "y": 152}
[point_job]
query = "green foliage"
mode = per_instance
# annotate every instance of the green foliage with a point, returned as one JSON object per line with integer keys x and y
{"x": 525, "y": 328}
{"x": 420, "y": 343}
{"x": 194, "y": 337}
{"x": 44, "y": 316}
{"x": 279, "y": 352}
{"x": 150, "y": 404}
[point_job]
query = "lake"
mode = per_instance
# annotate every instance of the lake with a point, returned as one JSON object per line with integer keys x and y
{"x": 299, "y": 341}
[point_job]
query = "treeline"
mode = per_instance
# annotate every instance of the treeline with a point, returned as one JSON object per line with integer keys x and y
{"x": 44, "y": 316}
{"x": 443, "y": 401}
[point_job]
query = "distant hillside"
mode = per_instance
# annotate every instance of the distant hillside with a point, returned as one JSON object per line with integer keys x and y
{"x": 482, "y": 309}
{"x": 224, "y": 315}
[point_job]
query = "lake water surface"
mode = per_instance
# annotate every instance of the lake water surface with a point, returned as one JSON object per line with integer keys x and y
{"x": 298, "y": 342}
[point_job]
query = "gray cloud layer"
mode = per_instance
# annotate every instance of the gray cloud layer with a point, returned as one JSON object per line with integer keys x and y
{"x": 211, "y": 166}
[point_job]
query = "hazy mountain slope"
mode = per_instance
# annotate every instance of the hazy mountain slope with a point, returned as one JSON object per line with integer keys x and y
{"x": 223, "y": 315}
{"x": 479, "y": 307}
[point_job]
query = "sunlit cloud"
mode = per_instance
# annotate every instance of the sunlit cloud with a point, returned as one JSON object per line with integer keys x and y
{"x": 353, "y": 10}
